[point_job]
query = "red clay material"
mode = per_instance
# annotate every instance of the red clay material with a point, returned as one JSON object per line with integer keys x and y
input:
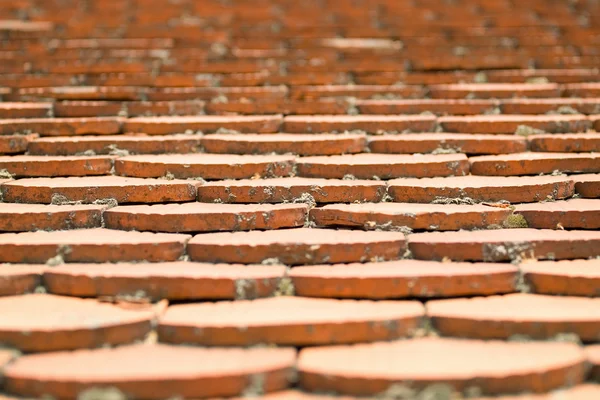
{"x": 593, "y": 355}
{"x": 13, "y": 144}
{"x": 497, "y": 367}
{"x": 535, "y": 163}
{"x": 43, "y": 322}
{"x": 480, "y": 188}
{"x": 151, "y": 371}
{"x": 510, "y": 123}
{"x": 403, "y": 279}
{"x": 567, "y": 277}
{"x": 504, "y": 244}
{"x": 205, "y": 166}
{"x": 90, "y": 245}
{"x": 493, "y": 90}
{"x": 564, "y": 143}
{"x": 305, "y": 145}
{"x": 447, "y": 143}
{"x": 88, "y": 190}
{"x": 51, "y": 166}
{"x": 19, "y": 278}
{"x": 587, "y": 185}
{"x": 390, "y": 216}
{"x": 31, "y": 217}
{"x": 531, "y": 315}
{"x": 543, "y": 106}
{"x": 382, "y": 166}
{"x": 367, "y": 123}
{"x": 296, "y": 246}
{"x": 172, "y": 281}
{"x": 205, "y": 217}
{"x": 24, "y": 110}
{"x": 570, "y": 214}
{"x": 418, "y": 106}
{"x": 280, "y": 190}
{"x": 62, "y": 126}
{"x": 288, "y": 320}
{"x": 116, "y": 145}
{"x": 204, "y": 123}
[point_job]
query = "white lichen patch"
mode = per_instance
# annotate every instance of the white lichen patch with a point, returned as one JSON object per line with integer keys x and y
{"x": 455, "y": 200}
{"x": 102, "y": 393}
{"x": 4, "y": 174}
{"x": 285, "y": 287}
{"x": 113, "y": 150}
{"x": 526, "y": 130}
{"x": 564, "y": 110}
{"x": 513, "y": 251}
{"x": 59, "y": 258}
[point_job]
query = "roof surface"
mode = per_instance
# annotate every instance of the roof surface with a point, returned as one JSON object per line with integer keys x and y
{"x": 300, "y": 200}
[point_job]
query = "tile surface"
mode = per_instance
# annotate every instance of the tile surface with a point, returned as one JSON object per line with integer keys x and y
{"x": 380, "y": 185}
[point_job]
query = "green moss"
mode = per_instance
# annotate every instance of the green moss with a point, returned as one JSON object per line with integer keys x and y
{"x": 515, "y": 221}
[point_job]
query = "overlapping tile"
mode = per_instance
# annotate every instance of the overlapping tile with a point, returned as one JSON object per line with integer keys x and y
{"x": 570, "y": 214}
{"x": 382, "y": 166}
{"x": 89, "y": 190}
{"x": 20, "y": 278}
{"x": 279, "y": 190}
{"x": 205, "y": 166}
{"x": 295, "y": 321}
{"x": 14, "y": 144}
{"x": 149, "y": 371}
{"x": 53, "y": 166}
{"x": 587, "y": 185}
{"x": 480, "y": 119}
{"x": 510, "y": 123}
{"x": 205, "y": 217}
{"x": 204, "y": 123}
{"x": 531, "y": 315}
{"x": 306, "y": 145}
{"x": 504, "y": 244}
{"x": 367, "y": 123}
{"x": 115, "y": 145}
{"x": 481, "y": 189}
{"x": 62, "y": 126}
{"x": 535, "y": 163}
{"x": 447, "y": 143}
{"x": 296, "y": 246}
{"x": 566, "y": 277}
{"x": 90, "y": 245}
{"x": 42, "y": 322}
{"x": 32, "y": 217}
{"x": 497, "y": 367}
{"x": 403, "y": 279}
{"x": 155, "y": 281}
{"x": 394, "y": 216}
{"x": 561, "y": 143}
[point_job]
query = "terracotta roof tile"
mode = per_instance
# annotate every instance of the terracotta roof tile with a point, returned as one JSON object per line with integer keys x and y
{"x": 311, "y": 168}
{"x": 205, "y": 217}
{"x": 148, "y": 371}
{"x": 86, "y": 324}
{"x": 90, "y": 189}
{"x": 90, "y": 245}
{"x": 404, "y": 278}
{"x": 296, "y": 246}
{"x": 498, "y": 367}
{"x": 20, "y": 278}
{"x": 174, "y": 281}
{"x": 531, "y": 315}
{"x": 288, "y": 320}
